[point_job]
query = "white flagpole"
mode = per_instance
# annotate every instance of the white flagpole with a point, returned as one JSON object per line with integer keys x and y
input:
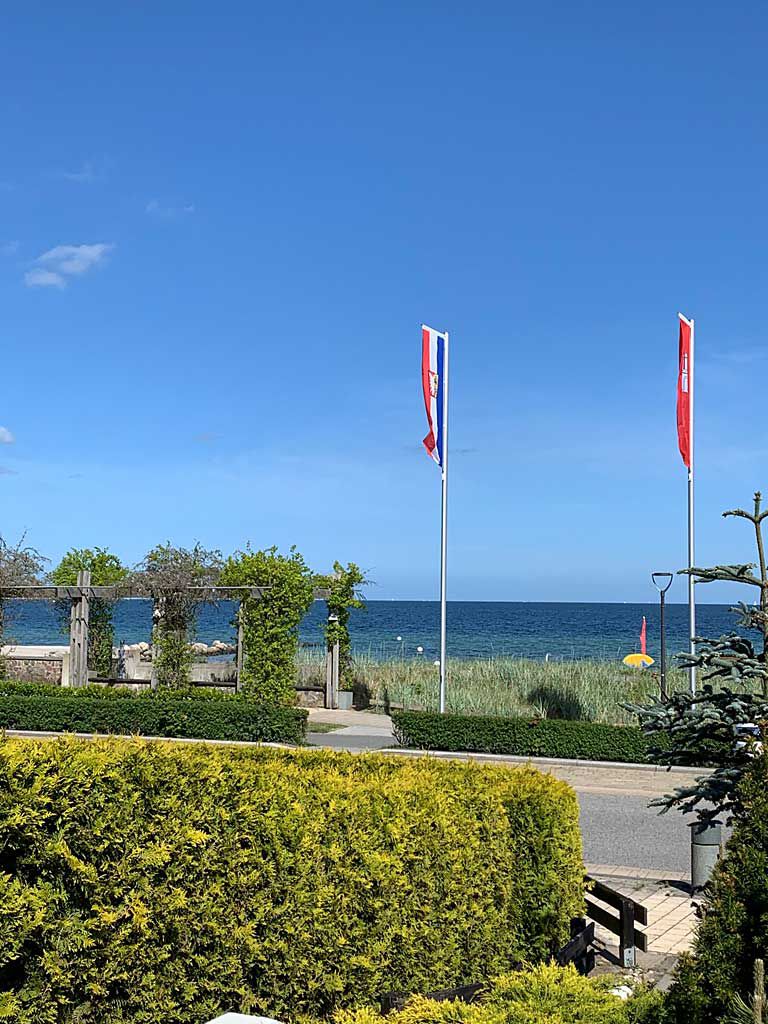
{"x": 444, "y": 533}
{"x": 691, "y": 516}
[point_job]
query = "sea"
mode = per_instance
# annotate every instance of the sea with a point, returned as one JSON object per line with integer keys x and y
{"x": 386, "y": 630}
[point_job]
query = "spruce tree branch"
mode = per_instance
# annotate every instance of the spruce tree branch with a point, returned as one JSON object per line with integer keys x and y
{"x": 740, "y": 513}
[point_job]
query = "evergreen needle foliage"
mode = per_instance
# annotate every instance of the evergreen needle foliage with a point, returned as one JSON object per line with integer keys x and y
{"x": 725, "y": 973}
{"x": 705, "y": 728}
{"x": 147, "y": 882}
{"x": 536, "y": 995}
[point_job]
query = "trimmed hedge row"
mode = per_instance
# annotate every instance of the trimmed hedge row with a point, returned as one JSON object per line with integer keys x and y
{"x": 42, "y": 708}
{"x": 144, "y": 882}
{"x": 547, "y": 737}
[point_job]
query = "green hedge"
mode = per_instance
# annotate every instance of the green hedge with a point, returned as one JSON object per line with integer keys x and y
{"x": 146, "y": 882}
{"x": 734, "y": 929}
{"x": 547, "y": 737}
{"x": 42, "y": 708}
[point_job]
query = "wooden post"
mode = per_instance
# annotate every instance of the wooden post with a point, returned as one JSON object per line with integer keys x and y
{"x": 627, "y": 951}
{"x": 239, "y": 676}
{"x": 328, "y": 702}
{"x": 78, "y": 631}
{"x": 335, "y": 674}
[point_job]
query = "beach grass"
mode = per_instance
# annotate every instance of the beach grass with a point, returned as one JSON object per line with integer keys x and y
{"x": 579, "y": 690}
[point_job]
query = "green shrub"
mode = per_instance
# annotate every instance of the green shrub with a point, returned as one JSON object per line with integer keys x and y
{"x": 734, "y": 929}
{"x": 541, "y": 995}
{"x": 146, "y": 882}
{"x": 270, "y": 621}
{"x": 198, "y": 714}
{"x": 547, "y": 737}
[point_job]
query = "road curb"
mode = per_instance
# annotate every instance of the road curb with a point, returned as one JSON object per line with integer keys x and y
{"x": 463, "y": 755}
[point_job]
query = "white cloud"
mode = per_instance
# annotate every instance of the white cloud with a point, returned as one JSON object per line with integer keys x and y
{"x": 39, "y": 278}
{"x": 157, "y": 209}
{"x": 52, "y": 269}
{"x": 86, "y": 175}
{"x": 6, "y": 437}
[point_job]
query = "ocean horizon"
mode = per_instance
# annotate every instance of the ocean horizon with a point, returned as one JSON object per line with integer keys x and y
{"x": 391, "y": 629}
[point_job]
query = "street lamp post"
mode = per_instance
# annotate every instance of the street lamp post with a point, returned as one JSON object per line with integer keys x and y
{"x": 662, "y": 581}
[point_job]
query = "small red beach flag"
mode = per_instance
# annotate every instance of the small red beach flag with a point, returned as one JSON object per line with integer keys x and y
{"x": 684, "y": 392}
{"x": 644, "y": 638}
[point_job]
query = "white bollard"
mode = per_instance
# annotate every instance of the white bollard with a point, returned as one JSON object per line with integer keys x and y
{"x": 705, "y": 850}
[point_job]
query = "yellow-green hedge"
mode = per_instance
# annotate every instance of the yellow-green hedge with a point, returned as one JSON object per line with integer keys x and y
{"x": 541, "y": 995}
{"x": 161, "y": 884}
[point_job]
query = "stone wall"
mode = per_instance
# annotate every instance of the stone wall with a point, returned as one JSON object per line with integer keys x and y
{"x": 34, "y": 670}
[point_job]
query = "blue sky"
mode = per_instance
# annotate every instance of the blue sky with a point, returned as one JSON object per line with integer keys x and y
{"x": 221, "y": 226}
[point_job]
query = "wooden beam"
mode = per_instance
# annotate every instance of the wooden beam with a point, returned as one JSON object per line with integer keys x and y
{"x": 44, "y": 592}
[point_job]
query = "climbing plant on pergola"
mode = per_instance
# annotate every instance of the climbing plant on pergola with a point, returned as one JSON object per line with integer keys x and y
{"x": 20, "y": 565}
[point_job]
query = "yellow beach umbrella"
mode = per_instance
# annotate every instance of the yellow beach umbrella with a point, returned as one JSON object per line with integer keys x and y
{"x": 638, "y": 660}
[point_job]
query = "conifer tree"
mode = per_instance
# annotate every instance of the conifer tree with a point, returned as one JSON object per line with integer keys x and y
{"x": 719, "y": 728}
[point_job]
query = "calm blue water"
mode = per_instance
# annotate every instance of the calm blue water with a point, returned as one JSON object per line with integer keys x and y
{"x": 476, "y": 629}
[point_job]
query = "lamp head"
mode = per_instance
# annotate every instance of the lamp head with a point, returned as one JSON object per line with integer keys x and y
{"x": 662, "y": 581}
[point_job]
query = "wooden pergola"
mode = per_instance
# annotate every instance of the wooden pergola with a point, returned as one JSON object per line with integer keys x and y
{"x": 81, "y": 595}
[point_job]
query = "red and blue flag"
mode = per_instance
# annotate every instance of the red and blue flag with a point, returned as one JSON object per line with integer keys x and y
{"x": 433, "y": 357}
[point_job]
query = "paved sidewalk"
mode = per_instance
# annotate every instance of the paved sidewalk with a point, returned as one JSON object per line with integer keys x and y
{"x": 360, "y": 730}
{"x": 352, "y": 719}
{"x": 671, "y": 912}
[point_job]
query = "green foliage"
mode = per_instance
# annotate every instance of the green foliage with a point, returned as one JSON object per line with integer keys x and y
{"x": 106, "y": 571}
{"x": 202, "y": 714}
{"x": 146, "y": 882}
{"x": 270, "y": 622}
{"x": 165, "y": 575}
{"x": 105, "y": 568}
{"x": 703, "y": 729}
{"x": 20, "y": 565}
{"x": 734, "y": 929}
{"x": 343, "y": 597}
{"x": 536, "y": 995}
{"x": 526, "y": 737}
{"x": 705, "y": 726}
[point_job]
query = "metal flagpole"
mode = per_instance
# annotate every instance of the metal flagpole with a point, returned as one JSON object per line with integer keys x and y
{"x": 691, "y": 517}
{"x": 444, "y": 531}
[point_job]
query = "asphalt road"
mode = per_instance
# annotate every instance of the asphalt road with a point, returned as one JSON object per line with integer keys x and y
{"x": 622, "y": 829}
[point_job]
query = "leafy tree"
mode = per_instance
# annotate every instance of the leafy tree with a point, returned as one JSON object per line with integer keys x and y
{"x": 106, "y": 571}
{"x": 20, "y": 566}
{"x": 343, "y": 597}
{"x": 271, "y": 622}
{"x": 719, "y": 728}
{"x": 165, "y": 575}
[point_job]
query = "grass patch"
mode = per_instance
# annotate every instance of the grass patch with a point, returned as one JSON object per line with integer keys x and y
{"x": 508, "y": 687}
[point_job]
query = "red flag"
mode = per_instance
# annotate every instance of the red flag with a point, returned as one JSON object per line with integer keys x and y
{"x": 684, "y": 392}
{"x": 643, "y": 638}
